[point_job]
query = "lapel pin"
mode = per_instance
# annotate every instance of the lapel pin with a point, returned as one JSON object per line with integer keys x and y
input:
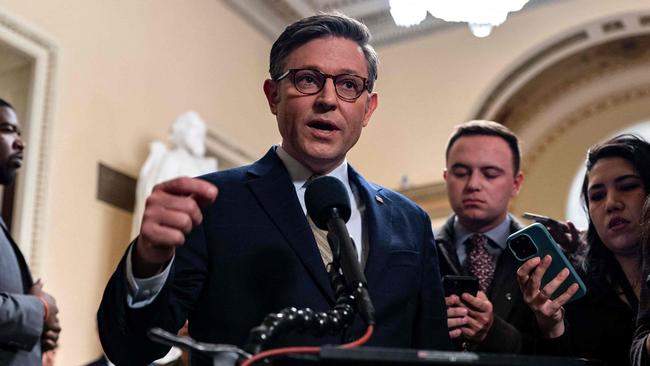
{"x": 379, "y": 199}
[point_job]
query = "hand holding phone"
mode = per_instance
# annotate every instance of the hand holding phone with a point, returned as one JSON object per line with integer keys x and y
{"x": 535, "y": 241}
{"x": 469, "y": 313}
{"x": 546, "y": 278}
{"x": 548, "y": 313}
{"x": 565, "y": 234}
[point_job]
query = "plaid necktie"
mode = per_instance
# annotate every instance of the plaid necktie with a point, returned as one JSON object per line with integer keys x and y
{"x": 480, "y": 261}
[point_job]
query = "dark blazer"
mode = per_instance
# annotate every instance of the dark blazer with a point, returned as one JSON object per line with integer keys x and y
{"x": 639, "y": 355}
{"x": 513, "y": 328}
{"x": 21, "y": 317}
{"x": 255, "y": 254}
{"x": 599, "y": 326}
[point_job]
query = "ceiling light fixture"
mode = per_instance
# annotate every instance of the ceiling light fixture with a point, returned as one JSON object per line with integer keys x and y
{"x": 480, "y": 15}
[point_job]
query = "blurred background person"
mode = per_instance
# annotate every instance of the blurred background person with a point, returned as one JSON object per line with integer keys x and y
{"x": 29, "y": 324}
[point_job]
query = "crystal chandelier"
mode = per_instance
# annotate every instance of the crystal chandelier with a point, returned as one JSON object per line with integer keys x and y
{"x": 480, "y": 15}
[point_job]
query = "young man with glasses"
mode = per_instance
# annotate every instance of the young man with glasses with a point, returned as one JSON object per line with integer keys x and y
{"x": 225, "y": 262}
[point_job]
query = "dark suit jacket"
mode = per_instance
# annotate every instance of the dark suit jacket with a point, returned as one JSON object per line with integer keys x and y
{"x": 255, "y": 254}
{"x": 514, "y": 322}
{"x": 639, "y": 355}
{"x": 599, "y": 326}
{"x": 21, "y": 317}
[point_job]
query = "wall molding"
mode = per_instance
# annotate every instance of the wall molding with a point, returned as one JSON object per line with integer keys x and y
{"x": 31, "y": 205}
{"x": 567, "y": 94}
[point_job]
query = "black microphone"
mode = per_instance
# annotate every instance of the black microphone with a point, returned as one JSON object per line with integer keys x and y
{"x": 328, "y": 205}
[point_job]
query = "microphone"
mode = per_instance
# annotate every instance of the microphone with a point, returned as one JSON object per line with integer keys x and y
{"x": 328, "y": 205}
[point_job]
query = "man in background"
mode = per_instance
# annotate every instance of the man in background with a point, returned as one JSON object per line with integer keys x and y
{"x": 29, "y": 324}
{"x": 482, "y": 175}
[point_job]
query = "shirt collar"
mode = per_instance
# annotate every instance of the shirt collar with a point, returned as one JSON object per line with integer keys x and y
{"x": 300, "y": 174}
{"x": 498, "y": 235}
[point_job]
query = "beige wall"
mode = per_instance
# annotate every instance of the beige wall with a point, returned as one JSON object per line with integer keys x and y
{"x": 127, "y": 68}
{"x": 14, "y": 86}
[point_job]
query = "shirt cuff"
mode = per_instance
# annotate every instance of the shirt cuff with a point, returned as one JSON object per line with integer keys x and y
{"x": 143, "y": 291}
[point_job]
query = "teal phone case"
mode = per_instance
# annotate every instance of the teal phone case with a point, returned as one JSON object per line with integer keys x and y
{"x": 542, "y": 245}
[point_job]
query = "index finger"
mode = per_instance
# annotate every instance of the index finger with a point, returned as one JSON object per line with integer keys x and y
{"x": 202, "y": 191}
{"x": 451, "y": 300}
{"x": 568, "y": 294}
{"x": 477, "y": 303}
{"x": 525, "y": 269}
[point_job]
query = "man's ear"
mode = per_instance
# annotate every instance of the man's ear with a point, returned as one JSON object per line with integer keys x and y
{"x": 272, "y": 93}
{"x": 518, "y": 182}
{"x": 371, "y": 105}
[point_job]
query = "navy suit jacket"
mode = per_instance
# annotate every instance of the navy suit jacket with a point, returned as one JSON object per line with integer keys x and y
{"x": 255, "y": 254}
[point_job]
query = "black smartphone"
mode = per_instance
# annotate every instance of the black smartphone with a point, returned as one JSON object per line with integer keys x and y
{"x": 544, "y": 220}
{"x": 457, "y": 285}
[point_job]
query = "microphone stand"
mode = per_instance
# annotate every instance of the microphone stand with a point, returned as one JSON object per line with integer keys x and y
{"x": 331, "y": 322}
{"x": 318, "y": 324}
{"x": 351, "y": 295}
{"x": 355, "y": 281}
{"x": 221, "y": 354}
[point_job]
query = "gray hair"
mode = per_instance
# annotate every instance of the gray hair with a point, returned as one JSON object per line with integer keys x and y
{"x": 319, "y": 26}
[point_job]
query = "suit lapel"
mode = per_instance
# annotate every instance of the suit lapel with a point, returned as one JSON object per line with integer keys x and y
{"x": 503, "y": 284}
{"x": 378, "y": 221}
{"x": 508, "y": 287}
{"x": 272, "y": 186}
{"x": 447, "y": 247}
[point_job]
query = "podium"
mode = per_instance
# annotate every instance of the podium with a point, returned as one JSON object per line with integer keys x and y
{"x": 377, "y": 356}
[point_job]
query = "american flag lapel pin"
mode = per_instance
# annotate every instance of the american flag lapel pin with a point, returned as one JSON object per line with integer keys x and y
{"x": 379, "y": 199}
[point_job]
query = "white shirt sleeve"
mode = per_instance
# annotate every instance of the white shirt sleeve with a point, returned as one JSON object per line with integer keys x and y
{"x": 143, "y": 291}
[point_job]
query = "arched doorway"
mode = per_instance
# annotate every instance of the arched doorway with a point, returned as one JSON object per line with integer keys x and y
{"x": 567, "y": 95}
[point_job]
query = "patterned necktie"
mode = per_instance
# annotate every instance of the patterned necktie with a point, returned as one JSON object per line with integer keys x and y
{"x": 480, "y": 261}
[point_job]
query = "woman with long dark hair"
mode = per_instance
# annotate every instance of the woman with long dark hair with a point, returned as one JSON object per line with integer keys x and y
{"x": 601, "y": 324}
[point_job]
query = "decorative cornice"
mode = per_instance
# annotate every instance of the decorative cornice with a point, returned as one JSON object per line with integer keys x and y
{"x": 577, "y": 117}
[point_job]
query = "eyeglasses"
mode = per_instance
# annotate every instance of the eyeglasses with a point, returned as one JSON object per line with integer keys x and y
{"x": 348, "y": 87}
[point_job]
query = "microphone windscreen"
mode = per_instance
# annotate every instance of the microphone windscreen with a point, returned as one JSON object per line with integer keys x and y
{"x": 322, "y": 195}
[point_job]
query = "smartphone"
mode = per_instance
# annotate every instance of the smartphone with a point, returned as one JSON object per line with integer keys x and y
{"x": 535, "y": 241}
{"x": 457, "y": 285}
{"x": 544, "y": 220}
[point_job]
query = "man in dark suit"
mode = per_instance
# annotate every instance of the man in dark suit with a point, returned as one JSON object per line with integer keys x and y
{"x": 28, "y": 316}
{"x": 251, "y": 251}
{"x": 482, "y": 175}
